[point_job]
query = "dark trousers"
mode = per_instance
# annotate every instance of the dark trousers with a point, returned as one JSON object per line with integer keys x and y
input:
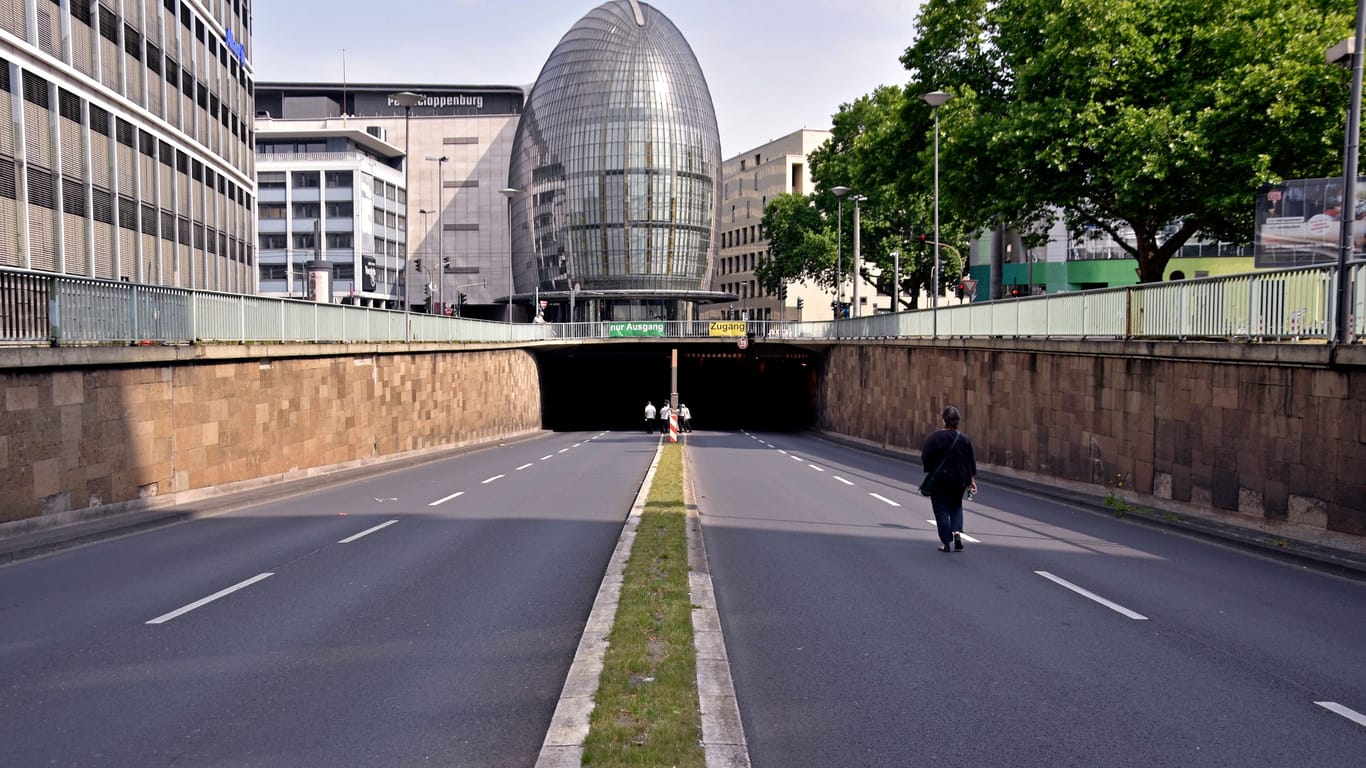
{"x": 947, "y": 519}
{"x": 649, "y": 426}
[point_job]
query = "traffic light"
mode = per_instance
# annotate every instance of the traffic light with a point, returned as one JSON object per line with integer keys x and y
{"x": 959, "y": 291}
{"x": 417, "y": 264}
{"x": 461, "y": 301}
{"x": 800, "y": 302}
{"x": 782, "y": 292}
{"x": 445, "y": 263}
{"x": 1014, "y": 291}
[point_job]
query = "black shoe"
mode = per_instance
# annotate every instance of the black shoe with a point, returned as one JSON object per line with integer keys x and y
{"x": 944, "y": 548}
{"x": 957, "y": 542}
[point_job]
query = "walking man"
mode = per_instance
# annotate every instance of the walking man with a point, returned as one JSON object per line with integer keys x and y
{"x": 951, "y": 469}
{"x": 649, "y": 417}
{"x": 684, "y": 418}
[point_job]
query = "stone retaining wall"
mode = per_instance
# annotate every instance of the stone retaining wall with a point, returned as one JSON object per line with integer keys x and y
{"x": 1273, "y": 436}
{"x": 85, "y": 432}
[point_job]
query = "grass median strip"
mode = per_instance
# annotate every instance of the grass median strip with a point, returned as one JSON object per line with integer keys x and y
{"x": 646, "y": 708}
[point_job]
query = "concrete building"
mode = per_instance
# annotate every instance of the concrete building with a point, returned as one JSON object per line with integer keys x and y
{"x": 333, "y": 198}
{"x": 459, "y": 139}
{"x": 128, "y": 152}
{"x": 749, "y": 181}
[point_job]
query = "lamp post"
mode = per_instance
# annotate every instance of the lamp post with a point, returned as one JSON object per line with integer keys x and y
{"x": 510, "y": 193}
{"x": 1349, "y": 54}
{"x": 936, "y": 99}
{"x": 839, "y": 193}
{"x": 440, "y": 230}
{"x": 407, "y": 100}
{"x": 425, "y": 229}
{"x": 896, "y": 281}
{"x": 854, "y": 312}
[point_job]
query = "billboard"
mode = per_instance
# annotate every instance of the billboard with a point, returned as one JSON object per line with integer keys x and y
{"x": 1299, "y": 222}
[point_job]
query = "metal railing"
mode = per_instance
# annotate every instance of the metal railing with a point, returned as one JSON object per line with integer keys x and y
{"x": 1287, "y": 304}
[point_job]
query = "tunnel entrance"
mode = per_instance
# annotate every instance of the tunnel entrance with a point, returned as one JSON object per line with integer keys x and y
{"x": 768, "y": 387}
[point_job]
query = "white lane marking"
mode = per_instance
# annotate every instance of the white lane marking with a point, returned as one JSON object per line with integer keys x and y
{"x": 962, "y": 535}
{"x": 562, "y": 450}
{"x": 813, "y": 466}
{"x": 547, "y": 456}
{"x": 524, "y": 466}
{"x": 1338, "y": 709}
{"x": 491, "y": 479}
{"x": 165, "y": 617}
{"x": 576, "y": 445}
{"x": 455, "y": 495}
{"x": 780, "y": 450}
{"x": 884, "y": 499}
{"x": 1116, "y": 607}
{"x": 366, "y": 532}
{"x": 842, "y": 480}
{"x": 795, "y": 458}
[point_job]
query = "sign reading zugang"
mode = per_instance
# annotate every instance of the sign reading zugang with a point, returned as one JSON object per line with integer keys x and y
{"x": 726, "y": 329}
{"x": 635, "y": 329}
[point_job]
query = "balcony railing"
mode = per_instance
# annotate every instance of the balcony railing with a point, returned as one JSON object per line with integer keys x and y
{"x": 42, "y": 308}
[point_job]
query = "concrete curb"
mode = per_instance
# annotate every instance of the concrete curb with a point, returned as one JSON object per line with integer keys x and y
{"x": 723, "y": 732}
{"x": 563, "y": 745}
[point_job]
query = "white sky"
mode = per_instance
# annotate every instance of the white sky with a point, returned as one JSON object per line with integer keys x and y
{"x": 773, "y": 66}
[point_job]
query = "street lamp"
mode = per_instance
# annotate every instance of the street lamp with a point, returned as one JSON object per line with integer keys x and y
{"x": 407, "y": 100}
{"x": 896, "y": 281}
{"x": 839, "y": 193}
{"x": 510, "y": 193}
{"x": 1349, "y": 54}
{"x": 936, "y": 99}
{"x": 857, "y": 256}
{"x": 440, "y": 230}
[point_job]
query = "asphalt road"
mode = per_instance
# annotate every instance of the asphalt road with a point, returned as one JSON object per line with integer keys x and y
{"x": 425, "y": 616}
{"x": 1058, "y": 637}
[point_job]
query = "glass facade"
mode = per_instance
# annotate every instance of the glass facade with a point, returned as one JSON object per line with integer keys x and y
{"x": 615, "y": 171}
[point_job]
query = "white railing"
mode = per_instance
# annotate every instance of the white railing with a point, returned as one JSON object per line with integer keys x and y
{"x": 1287, "y": 304}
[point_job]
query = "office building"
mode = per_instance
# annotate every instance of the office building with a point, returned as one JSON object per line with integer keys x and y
{"x": 616, "y": 173}
{"x": 446, "y": 208}
{"x": 128, "y": 151}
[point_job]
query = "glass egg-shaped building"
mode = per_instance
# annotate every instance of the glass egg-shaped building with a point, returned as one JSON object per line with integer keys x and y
{"x": 615, "y": 174}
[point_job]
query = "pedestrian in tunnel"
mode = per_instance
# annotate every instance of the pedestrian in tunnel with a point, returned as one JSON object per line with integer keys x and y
{"x": 684, "y": 417}
{"x": 649, "y": 417}
{"x": 951, "y": 469}
{"x": 664, "y": 418}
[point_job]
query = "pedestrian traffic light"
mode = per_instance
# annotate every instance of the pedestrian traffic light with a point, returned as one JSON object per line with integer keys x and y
{"x": 445, "y": 263}
{"x": 960, "y": 290}
{"x": 1014, "y": 291}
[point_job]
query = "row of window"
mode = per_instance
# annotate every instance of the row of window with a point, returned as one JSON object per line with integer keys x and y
{"x": 744, "y": 262}
{"x": 306, "y": 241}
{"x": 742, "y": 236}
{"x": 341, "y": 210}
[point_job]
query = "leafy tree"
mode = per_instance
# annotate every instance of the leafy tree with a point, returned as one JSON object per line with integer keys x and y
{"x": 800, "y": 248}
{"x": 874, "y": 141}
{"x": 1159, "y": 117}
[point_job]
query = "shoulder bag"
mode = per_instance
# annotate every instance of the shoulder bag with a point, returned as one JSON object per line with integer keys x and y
{"x": 925, "y": 486}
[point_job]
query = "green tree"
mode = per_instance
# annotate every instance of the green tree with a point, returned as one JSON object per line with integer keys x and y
{"x": 876, "y": 147}
{"x": 1159, "y": 118}
{"x": 799, "y": 246}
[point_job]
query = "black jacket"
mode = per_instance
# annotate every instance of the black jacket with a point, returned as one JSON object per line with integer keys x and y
{"x": 960, "y": 464}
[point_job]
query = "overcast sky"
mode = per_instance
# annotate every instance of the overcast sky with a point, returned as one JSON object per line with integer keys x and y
{"x": 773, "y": 66}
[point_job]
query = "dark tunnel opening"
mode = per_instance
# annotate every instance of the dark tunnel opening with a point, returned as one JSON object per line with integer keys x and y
{"x": 767, "y": 387}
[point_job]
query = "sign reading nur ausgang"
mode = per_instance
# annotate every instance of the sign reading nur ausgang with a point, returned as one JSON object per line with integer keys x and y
{"x": 635, "y": 329}
{"x": 722, "y": 328}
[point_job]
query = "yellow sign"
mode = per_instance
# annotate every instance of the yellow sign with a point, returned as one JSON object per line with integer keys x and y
{"x": 723, "y": 328}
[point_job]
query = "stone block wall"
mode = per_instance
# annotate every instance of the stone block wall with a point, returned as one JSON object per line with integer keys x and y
{"x": 90, "y": 432}
{"x": 1269, "y": 436}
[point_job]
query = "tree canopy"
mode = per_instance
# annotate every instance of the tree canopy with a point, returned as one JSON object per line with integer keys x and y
{"x": 1157, "y": 117}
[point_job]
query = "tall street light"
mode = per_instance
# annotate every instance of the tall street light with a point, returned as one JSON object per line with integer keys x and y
{"x": 407, "y": 100}
{"x": 426, "y": 228}
{"x": 936, "y": 99}
{"x": 440, "y": 232}
{"x": 510, "y": 193}
{"x": 1349, "y": 54}
{"x": 857, "y": 268}
{"x": 839, "y": 193}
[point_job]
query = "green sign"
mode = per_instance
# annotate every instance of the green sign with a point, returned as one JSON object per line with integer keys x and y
{"x": 635, "y": 329}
